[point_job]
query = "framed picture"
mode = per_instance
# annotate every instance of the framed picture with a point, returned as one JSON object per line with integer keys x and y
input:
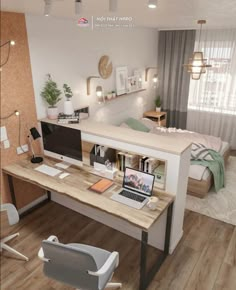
{"x": 121, "y": 80}
{"x": 139, "y": 74}
{"x": 132, "y": 84}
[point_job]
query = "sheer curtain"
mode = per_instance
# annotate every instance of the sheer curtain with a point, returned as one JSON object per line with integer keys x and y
{"x": 212, "y": 99}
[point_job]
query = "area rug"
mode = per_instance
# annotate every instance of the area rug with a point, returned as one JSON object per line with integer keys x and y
{"x": 220, "y": 205}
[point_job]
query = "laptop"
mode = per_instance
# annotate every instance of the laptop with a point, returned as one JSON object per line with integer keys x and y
{"x": 137, "y": 187}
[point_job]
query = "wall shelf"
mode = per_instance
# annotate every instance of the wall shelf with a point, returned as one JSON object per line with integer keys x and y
{"x": 128, "y": 93}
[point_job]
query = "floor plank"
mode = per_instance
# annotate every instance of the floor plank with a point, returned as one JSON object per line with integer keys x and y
{"x": 204, "y": 259}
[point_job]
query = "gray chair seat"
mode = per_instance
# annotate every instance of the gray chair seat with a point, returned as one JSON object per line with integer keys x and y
{"x": 78, "y": 265}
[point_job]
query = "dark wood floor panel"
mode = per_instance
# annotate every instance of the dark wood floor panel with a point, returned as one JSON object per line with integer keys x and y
{"x": 205, "y": 259}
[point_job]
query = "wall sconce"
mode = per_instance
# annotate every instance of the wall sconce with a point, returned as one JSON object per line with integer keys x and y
{"x": 99, "y": 94}
{"x": 146, "y": 72}
{"x": 9, "y": 43}
{"x": 155, "y": 80}
{"x": 88, "y": 83}
{"x": 35, "y": 135}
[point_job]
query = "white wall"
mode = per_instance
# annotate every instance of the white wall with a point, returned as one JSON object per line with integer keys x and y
{"x": 71, "y": 54}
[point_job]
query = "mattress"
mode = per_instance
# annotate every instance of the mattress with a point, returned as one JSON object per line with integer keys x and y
{"x": 200, "y": 172}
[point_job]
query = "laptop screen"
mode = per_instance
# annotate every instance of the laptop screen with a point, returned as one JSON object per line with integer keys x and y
{"x": 138, "y": 181}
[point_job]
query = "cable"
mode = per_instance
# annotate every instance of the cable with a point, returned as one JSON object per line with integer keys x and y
{"x": 16, "y": 112}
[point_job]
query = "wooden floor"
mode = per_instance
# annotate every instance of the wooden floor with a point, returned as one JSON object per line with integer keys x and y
{"x": 205, "y": 259}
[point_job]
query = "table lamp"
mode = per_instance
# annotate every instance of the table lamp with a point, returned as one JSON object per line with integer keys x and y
{"x": 35, "y": 135}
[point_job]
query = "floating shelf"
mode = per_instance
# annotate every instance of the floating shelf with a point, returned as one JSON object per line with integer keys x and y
{"x": 129, "y": 93}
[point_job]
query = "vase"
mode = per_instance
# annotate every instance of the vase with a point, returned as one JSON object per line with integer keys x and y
{"x": 109, "y": 96}
{"x": 158, "y": 109}
{"x": 68, "y": 108}
{"x": 52, "y": 113}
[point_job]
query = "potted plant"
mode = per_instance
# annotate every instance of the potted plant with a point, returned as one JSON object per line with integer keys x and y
{"x": 68, "y": 106}
{"x": 158, "y": 104}
{"x": 51, "y": 95}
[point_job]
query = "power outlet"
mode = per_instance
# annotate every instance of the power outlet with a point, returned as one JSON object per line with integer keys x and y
{"x": 22, "y": 149}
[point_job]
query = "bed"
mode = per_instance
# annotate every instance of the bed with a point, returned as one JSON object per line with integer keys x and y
{"x": 200, "y": 178}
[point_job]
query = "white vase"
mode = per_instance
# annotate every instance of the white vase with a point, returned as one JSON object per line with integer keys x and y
{"x": 68, "y": 108}
{"x": 113, "y": 95}
{"x": 52, "y": 113}
{"x": 158, "y": 109}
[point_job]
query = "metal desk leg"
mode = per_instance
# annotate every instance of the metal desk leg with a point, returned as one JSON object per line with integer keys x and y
{"x": 12, "y": 191}
{"x": 146, "y": 277}
{"x": 143, "y": 261}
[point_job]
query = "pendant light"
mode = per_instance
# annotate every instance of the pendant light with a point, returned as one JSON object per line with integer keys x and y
{"x": 78, "y": 7}
{"x": 152, "y": 4}
{"x": 47, "y": 7}
{"x": 197, "y": 63}
{"x": 112, "y": 5}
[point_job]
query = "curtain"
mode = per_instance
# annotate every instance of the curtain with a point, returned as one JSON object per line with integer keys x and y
{"x": 212, "y": 99}
{"x": 174, "y": 49}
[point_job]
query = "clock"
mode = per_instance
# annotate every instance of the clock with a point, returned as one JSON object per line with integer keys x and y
{"x": 105, "y": 67}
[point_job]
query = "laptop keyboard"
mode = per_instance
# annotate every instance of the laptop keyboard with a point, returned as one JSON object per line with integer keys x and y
{"x": 132, "y": 196}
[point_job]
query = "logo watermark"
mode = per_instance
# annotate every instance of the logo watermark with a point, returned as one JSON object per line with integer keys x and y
{"x": 103, "y": 22}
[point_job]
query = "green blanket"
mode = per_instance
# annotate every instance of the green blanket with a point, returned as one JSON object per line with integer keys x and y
{"x": 216, "y": 166}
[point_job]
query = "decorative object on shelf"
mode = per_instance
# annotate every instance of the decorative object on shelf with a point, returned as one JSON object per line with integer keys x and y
{"x": 146, "y": 72}
{"x": 68, "y": 119}
{"x": 104, "y": 67}
{"x": 197, "y": 64}
{"x": 99, "y": 93}
{"x": 132, "y": 84}
{"x": 158, "y": 104}
{"x": 121, "y": 80}
{"x": 139, "y": 73}
{"x": 9, "y": 43}
{"x": 109, "y": 95}
{"x": 152, "y": 4}
{"x": 35, "y": 135}
{"x": 51, "y": 95}
{"x": 113, "y": 94}
{"x": 88, "y": 83}
{"x": 68, "y": 106}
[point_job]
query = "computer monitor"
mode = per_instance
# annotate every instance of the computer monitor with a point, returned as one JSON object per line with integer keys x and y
{"x": 62, "y": 143}
{"x": 139, "y": 181}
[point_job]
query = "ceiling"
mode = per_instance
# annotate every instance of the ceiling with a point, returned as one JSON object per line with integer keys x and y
{"x": 170, "y": 14}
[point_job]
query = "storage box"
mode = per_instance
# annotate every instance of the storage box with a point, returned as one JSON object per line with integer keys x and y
{"x": 110, "y": 154}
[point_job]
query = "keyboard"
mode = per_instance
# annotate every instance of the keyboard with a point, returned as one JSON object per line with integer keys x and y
{"x": 132, "y": 196}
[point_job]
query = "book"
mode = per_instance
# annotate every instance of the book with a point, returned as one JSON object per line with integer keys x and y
{"x": 101, "y": 185}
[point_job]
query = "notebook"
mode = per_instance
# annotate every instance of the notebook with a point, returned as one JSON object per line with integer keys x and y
{"x": 137, "y": 187}
{"x": 101, "y": 186}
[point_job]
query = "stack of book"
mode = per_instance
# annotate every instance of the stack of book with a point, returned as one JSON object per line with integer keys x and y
{"x": 127, "y": 160}
{"x": 67, "y": 119}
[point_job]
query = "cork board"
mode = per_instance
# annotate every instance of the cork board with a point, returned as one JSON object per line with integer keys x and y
{"x": 17, "y": 94}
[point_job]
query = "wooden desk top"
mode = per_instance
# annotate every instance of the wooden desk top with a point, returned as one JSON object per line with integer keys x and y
{"x": 154, "y": 114}
{"x": 76, "y": 187}
{"x": 167, "y": 144}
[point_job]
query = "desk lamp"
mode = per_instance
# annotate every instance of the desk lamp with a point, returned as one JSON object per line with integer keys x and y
{"x": 35, "y": 135}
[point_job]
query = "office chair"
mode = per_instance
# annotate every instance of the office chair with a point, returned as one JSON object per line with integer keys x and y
{"x": 13, "y": 218}
{"x": 81, "y": 266}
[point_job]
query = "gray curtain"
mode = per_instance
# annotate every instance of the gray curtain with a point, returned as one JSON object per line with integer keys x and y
{"x": 174, "y": 49}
